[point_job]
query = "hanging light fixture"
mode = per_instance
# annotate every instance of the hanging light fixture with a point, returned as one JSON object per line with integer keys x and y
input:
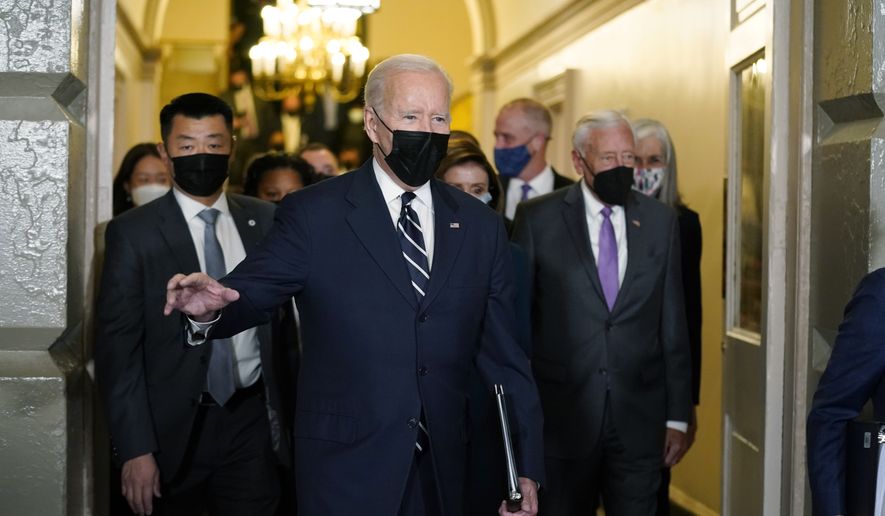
{"x": 310, "y": 47}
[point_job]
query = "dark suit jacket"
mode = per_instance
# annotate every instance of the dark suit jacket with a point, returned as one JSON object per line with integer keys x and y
{"x": 638, "y": 351}
{"x": 372, "y": 357}
{"x": 150, "y": 378}
{"x": 559, "y": 181}
{"x": 690, "y": 239}
{"x": 854, "y": 375}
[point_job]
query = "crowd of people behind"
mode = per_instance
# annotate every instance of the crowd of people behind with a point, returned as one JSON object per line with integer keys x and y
{"x": 601, "y": 283}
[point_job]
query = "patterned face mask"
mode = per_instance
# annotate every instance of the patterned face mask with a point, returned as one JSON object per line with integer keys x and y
{"x": 648, "y": 180}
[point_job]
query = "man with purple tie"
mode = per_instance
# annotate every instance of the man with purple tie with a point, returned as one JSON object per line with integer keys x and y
{"x": 610, "y": 343}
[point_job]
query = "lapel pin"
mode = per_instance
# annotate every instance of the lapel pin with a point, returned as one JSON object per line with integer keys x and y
{"x": 454, "y": 225}
{"x": 251, "y": 222}
{"x": 636, "y": 223}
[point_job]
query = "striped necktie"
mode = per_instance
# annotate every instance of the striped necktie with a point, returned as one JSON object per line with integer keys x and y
{"x": 411, "y": 239}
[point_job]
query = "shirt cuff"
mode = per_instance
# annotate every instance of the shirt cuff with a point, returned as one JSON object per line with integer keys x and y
{"x": 681, "y": 426}
{"x": 197, "y": 332}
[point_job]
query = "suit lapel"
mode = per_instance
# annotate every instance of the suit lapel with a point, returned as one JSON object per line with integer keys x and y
{"x": 370, "y": 221}
{"x": 633, "y": 221}
{"x": 575, "y": 216}
{"x": 176, "y": 234}
{"x": 448, "y": 236}
{"x": 247, "y": 224}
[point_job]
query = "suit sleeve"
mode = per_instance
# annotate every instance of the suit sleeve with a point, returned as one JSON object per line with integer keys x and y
{"x": 270, "y": 276}
{"x": 690, "y": 237}
{"x": 501, "y": 360}
{"x": 674, "y": 334}
{"x": 119, "y": 349}
{"x": 856, "y": 366}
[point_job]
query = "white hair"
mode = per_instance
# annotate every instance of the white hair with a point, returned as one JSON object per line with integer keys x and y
{"x": 648, "y": 128}
{"x": 376, "y": 84}
{"x": 596, "y": 120}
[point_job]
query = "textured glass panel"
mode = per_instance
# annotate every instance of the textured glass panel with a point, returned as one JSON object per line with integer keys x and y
{"x": 35, "y": 36}
{"x": 33, "y": 223}
{"x": 751, "y": 163}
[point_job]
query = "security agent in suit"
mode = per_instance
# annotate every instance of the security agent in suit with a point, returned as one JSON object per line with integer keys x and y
{"x": 196, "y": 450}
{"x": 853, "y": 376}
{"x": 382, "y": 361}
{"x": 522, "y": 130}
{"x": 610, "y": 347}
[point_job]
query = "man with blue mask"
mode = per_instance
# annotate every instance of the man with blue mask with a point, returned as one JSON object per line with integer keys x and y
{"x": 522, "y": 131}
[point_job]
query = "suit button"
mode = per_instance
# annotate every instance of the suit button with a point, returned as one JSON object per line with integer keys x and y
{"x": 423, "y": 318}
{"x": 422, "y": 371}
{"x": 413, "y": 422}
{"x": 608, "y": 325}
{"x": 603, "y": 371}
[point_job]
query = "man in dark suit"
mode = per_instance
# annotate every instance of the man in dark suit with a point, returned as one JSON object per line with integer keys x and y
{"x": 402, "y": 284}
{"x": 522, "y": 131}
{"x": 197, "y": 425}
{"x": 610, "y": 345}
{"x": 853, "y": 376}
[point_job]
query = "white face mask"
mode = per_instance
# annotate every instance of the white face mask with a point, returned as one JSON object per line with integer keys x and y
{"x": 648, "y": 180}
{"x": 146, "y": 193}
{"x": 485, "y": 197}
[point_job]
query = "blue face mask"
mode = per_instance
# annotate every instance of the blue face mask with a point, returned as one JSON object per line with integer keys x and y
{"x": 512, "y": 160}
{"x": 485, "y": 197}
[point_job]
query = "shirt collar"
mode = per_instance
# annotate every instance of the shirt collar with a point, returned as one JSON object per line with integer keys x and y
{"x": 391, "y": 191}
{"x": 592, "y": 204}
{"x": 191, "y": 208}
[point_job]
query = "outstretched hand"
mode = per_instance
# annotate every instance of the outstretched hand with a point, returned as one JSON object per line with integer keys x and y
{"x": 197, "y": 295}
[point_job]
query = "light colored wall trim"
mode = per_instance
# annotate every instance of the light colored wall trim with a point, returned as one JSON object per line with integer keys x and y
{"x": 574, "y": 20}
{"x": 798, "y": 485}
{"x": 685, "y": 501}
{"x": 481, "y": 14}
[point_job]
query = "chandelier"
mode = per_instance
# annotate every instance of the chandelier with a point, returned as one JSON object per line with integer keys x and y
{"x": 309, "y": 48}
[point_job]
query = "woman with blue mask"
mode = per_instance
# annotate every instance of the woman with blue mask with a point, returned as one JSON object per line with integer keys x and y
{"x": 655, "y": 176}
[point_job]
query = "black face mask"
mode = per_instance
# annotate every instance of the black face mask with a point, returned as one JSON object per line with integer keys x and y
{"x": 415, "y": 155}
{"x": 612, "y": 186}
{"x": 200, "y": 175}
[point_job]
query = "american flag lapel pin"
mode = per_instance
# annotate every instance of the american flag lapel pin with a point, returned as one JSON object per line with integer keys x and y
{"x": 454, "y": 225}
{"x": 635, "y": 223}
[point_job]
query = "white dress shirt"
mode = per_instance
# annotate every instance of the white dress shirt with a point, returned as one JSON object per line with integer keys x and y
{"x": 422, "y": 204}
{"x": 245, "y": 344}
{"x": 593, "y": 211}
{"x": 541, "y": 184}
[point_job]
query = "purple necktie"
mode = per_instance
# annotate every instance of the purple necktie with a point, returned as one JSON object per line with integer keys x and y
{"x": 608, "y": 259}
{"x": 526, "y": 188}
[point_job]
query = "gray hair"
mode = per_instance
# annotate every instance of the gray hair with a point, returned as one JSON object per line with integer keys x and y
{"x": 648, "y": 128}
{"x": 537, "y": 115}
{"x": 376, "y": 84}
{"x": 596, "y": 120}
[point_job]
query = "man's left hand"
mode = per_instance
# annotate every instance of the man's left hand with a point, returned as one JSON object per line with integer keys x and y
{"x": 675, "y": 446}
{"x": 529, "y": 490}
